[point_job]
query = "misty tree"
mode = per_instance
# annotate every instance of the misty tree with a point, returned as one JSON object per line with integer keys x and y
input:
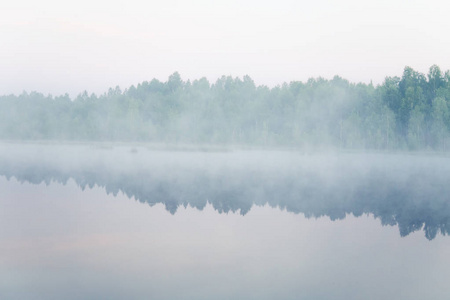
{"x": 410, "y": 112}
{"x": 439, "y": 129}
{"x": 417, "y": 128}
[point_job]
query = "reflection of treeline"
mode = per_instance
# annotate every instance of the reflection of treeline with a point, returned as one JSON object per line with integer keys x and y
{"x": 411, "y": 112}
{"x": 419, "y": 202}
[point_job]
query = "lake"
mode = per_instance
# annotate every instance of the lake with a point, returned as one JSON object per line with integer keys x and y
{"x": 135, "y": 222}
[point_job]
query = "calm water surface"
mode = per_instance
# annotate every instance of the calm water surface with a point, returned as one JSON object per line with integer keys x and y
{"x": 85, "y": 222}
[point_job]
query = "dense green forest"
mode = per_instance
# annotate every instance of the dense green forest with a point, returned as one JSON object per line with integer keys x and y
{"x": 411, "y": 112}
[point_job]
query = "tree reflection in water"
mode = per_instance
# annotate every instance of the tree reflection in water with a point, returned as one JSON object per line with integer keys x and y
{"x": 412, "y": 198}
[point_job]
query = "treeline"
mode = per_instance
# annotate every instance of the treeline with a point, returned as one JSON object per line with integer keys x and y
{"x": 411, "y": 112}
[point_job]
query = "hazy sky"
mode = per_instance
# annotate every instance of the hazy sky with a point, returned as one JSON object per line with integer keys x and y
{"x": 57, "y": 47}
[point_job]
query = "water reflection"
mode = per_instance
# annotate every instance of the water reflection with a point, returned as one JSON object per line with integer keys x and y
{"x": 411, "y": 193}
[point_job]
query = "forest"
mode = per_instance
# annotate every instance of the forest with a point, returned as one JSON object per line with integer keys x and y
{"x": 407, "y": 113}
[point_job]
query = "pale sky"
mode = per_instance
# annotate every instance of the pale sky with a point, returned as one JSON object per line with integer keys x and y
{"x": 57, "y": 47}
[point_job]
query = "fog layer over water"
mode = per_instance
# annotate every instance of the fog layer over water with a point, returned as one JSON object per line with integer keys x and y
{"x": 220, "y": 225}
{"x": 408, "y": 191}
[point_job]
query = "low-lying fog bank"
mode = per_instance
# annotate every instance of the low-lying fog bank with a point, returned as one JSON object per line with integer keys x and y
{"x": 407, "y": 190}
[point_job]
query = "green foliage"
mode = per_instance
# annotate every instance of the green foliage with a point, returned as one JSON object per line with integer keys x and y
{"x": 408, "y": 112}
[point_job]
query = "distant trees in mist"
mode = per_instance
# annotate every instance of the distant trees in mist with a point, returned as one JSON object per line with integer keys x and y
{"x": 411, "y": 112}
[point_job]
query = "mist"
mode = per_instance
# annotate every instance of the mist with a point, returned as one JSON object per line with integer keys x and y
{"x": 224, "y": 149}
{"x": 407, "y": 113}
{"x": 83, "y": 220}
{"x": 228, "y": 189}
{"x": 408, "y": 191}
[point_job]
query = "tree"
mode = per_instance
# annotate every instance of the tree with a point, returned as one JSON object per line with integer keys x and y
{"x": 439, "y": 130}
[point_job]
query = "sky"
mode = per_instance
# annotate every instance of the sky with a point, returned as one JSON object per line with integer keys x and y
{"x": 60, "y": 47}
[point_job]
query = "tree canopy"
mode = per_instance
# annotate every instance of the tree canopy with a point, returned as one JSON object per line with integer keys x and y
{"x": 411, "y": 112}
